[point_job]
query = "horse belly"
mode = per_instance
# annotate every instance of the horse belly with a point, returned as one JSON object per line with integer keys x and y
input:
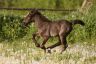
{"x": 54, "y": 32}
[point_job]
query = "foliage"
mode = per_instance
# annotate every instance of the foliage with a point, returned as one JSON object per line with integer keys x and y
{"x": 38, "y": 3}
{"x": 10, "y": 27}
{"x": 10, "y": 22}
{"x": 23, "y": 51}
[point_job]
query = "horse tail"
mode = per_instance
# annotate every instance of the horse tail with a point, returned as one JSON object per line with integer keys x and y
{"x": 77, "y": 22}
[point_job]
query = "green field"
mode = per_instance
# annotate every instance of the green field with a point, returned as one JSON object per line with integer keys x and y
{"x": 17, "y": 47}
{"x": 24, "y": 52}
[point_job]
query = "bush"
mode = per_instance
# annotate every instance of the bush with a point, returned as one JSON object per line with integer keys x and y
{"x": 10, "y": 27}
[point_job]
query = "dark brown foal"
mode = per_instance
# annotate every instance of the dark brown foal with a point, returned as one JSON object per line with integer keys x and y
{"x": 47, "y": 29}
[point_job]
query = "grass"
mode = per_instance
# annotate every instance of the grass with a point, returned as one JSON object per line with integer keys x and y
{"x": 11, "y": 28}
{"x": 24, "y": 52}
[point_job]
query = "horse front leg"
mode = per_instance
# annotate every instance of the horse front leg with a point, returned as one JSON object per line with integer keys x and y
{"x": 34, "y": 40}
{"x": 44, "y": 42}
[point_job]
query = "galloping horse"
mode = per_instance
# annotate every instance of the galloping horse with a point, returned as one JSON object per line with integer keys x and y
{"x": 47, "y": 28}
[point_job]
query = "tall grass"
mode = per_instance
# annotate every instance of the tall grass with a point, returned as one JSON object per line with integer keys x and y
{"x": 10, "y": 27}
{"x": 10, "y": 24}
{"x": 38, "y": 4}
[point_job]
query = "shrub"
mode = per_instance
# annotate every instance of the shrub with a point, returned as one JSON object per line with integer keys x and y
{"x": 10, "y": 27}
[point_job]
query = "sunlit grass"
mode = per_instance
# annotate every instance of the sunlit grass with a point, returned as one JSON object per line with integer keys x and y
{"x": 24, "y": 52}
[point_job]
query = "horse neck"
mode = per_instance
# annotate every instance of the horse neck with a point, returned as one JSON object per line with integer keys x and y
{"x": 40, "y": 21}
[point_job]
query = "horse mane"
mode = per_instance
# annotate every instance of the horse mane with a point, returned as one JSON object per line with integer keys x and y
{"x": 43, "y": 17}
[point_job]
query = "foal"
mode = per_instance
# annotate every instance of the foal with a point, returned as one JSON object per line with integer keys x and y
{"x": 47, "y": 29}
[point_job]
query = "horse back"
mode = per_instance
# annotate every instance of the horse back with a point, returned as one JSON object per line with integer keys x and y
{"x": 60, "y": 28}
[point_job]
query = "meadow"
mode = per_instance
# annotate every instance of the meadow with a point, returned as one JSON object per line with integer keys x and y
{"x": 17, "y": 47}
{"x": 24, "y": 52}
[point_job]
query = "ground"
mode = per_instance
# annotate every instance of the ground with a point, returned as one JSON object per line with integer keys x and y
{"x": 26, "y": 53}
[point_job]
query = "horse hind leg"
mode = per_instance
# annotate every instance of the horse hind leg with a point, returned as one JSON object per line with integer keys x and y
{"x": 53, "y": 46}
{"x": 63, "y": 43}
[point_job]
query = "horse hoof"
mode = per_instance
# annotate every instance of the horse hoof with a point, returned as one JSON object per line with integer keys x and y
{"x": 48, "y": 50}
